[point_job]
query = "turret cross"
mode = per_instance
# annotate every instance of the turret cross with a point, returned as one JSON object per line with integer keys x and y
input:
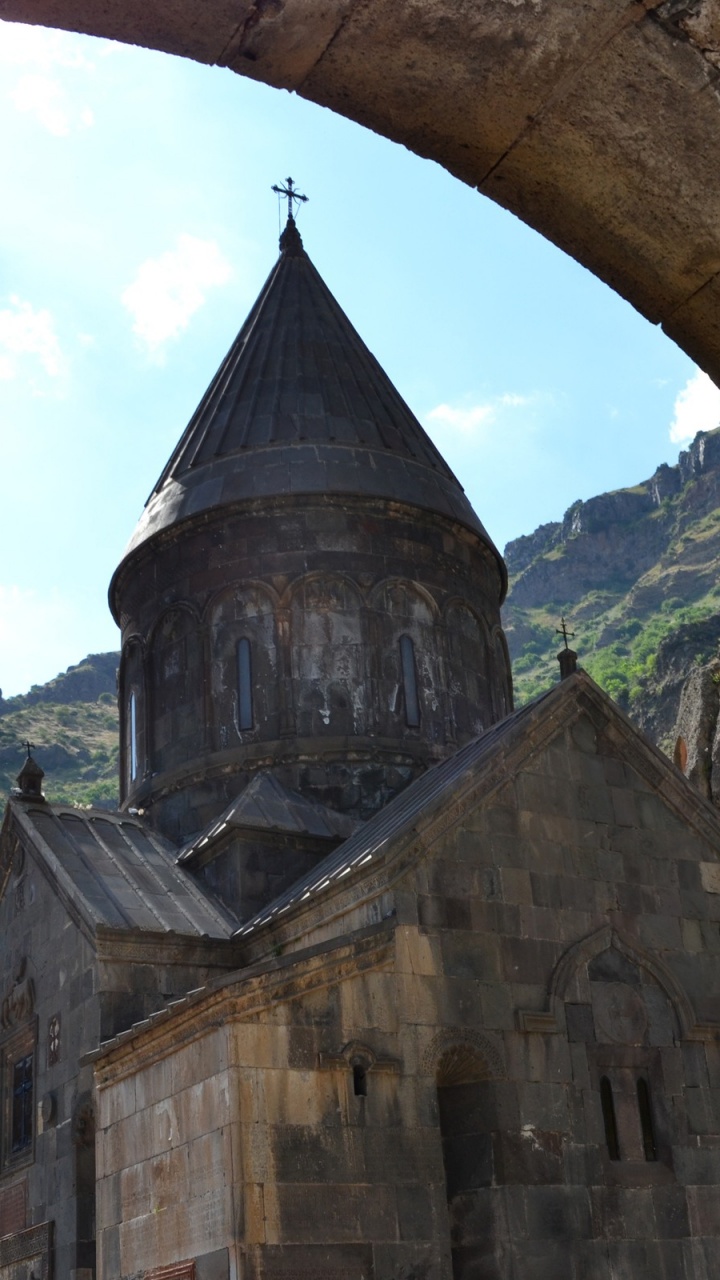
{"x": 563, "y": 631}
{"x": 287, "y": 191}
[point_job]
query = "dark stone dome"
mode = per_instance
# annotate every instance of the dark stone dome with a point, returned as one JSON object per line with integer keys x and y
{"x": 300, "y": 405}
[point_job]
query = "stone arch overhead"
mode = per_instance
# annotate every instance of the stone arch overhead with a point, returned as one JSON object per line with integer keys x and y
{"x": 597, "y": 126}
{"x": 249, "y": 584}
{"x": 410, "y": 585}
{"x": 178, "y": 606}
{"x": 459, "y": 602}
{"x": 319, "y": 575}
{"x": 585, "y": 950}
{"x": 459, "y": 1049}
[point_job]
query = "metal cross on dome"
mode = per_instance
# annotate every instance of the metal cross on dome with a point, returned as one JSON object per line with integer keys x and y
{"x": 287, "y": 191}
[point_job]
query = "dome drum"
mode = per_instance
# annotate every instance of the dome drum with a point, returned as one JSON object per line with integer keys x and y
{"x": 290, "y": 630}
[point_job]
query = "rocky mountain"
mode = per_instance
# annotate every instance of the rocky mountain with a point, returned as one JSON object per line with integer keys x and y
{"x": 635, "y": 574}
{"x": 72, "y": 722}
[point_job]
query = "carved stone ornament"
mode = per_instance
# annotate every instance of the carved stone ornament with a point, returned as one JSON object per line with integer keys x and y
{"x": 357, "y": 1054}
{"x": 26, "y": 1255}
{"x": 455, "y": 1049}
{"x": 19, "y": 1003}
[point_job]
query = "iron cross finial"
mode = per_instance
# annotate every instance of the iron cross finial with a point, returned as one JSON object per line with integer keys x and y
{"x": 287, "y": 191}
{"x": 563, "y": 631}
{"x": 29, "y": 747}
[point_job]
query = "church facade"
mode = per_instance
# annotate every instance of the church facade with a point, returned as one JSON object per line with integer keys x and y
{"x": 371, "y": 977}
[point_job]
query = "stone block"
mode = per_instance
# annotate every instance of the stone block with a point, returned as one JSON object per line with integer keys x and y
{"x": 213, "y": 1266}
{"x": 415, "y": 1212}
{"x": 528, "y": 1157}
{"x": 710, "y": 876}
{"x": 671, "y": 1212}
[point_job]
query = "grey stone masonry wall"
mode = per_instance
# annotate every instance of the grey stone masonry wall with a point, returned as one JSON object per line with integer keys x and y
{"x": 515, "y": 1072}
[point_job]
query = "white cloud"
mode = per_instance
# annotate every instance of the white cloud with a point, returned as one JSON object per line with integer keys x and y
{"x": 167, "y": 291}
{"x": 50, "y": 61}
{"x": 24, "y": 333}
{"x": 22, "y": 45}
{"x": 469, "y": 420}
{"x": 697, "y": 408}
{"x": 43, "y": 98}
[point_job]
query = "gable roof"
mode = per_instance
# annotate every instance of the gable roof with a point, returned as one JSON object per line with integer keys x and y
{"x": 116, "y": 872}
{"x": 299, "y": 405}
{"x": 266, "y": 805}
{"x": 475, "y": 770}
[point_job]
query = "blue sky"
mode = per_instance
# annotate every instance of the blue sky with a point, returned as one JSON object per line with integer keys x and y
{"x": 137, "y": 225}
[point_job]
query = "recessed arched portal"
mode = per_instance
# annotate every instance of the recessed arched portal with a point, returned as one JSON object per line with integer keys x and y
{"x": 598, "y": 126}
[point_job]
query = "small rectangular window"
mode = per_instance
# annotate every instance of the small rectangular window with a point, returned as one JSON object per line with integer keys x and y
{"x": 245, "y": 700}
{"x": 409, "y": 679}
{"x": 22, "y": 1104}
{"x": 17, "y": 1077}
{"x": 646, "y": 1120}
{"x": 133, "y": 737}
{"x": 607, "y": 1103}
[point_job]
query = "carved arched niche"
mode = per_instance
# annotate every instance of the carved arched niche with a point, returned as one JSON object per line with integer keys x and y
{"x": 625, "y": 1006}
{"x": 177, "y": 689}
{"x": 133, "y": 716}
{"x": 469, "y": 671}
{"x": 244, "y": 665}
{"x": 330, "y": 687}
{"x": 405, "y": 611}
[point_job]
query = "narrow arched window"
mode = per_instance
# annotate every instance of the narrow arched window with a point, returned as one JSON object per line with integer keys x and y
{"x": 608, "y": 1110}
{"x": 409, "y": 679}
{"x": 133, "y": 737}
{"x": 359, "y": 1080}
{"x": 646, "y": 1120}
{"x": 244, "y": 678}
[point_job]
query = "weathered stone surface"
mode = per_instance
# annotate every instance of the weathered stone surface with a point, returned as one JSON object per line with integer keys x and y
{"x": 489, "y": 1145}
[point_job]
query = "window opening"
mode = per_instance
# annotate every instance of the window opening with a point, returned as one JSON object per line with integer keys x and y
{"x": 22, "y": 1103}
{"x": 646, "y": 1121}
{"x": 359, "y": 1080}
{"x": 608, "y": 1110}
{"x": 409, "y": 678}
{"x": 244, "y": 665}
{"x": 133, "y": 737}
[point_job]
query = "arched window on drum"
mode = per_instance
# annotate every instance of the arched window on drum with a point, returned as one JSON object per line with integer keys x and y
{"x": 410, "y": 676}
{"x": 132, "y": 716}
{"x": 244, "y": 675}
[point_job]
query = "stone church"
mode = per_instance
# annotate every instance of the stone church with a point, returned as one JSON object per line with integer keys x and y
{"x": 371, "y": 977}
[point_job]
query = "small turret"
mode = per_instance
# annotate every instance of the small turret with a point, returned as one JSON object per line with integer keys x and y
{"x": 29, "y": 779}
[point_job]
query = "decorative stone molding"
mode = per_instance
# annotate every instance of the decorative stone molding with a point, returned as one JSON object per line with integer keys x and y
{"x": 450, "y": 1052}
{"x": 357, "y": 1054}
{"x": 174, "y": 1271}
{"x": 551, "y": 1020}
{"x": 19, "y": 1004}
{"x": 31, "y": 1247}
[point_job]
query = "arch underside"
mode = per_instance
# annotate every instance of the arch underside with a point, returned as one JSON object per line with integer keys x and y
{"x": 595, "y": 123}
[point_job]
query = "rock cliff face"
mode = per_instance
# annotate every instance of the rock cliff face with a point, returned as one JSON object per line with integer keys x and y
{"x": 636, "y": 573}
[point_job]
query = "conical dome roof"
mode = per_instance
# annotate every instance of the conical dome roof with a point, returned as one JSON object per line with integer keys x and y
{"x": 298, "y": 406}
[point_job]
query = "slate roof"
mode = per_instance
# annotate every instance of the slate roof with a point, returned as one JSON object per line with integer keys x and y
{"x": 397, "y": 816}
{"x": 118, "y": 872}
{"x": 298, "y": 406}
{"x": 266, "y": 805}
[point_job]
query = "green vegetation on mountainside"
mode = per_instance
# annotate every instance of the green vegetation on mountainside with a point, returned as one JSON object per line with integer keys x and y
{"x": 75, "y": 740}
